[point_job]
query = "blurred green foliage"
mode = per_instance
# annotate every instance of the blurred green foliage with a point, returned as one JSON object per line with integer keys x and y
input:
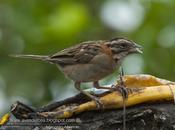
{"x": 45, "y": 27}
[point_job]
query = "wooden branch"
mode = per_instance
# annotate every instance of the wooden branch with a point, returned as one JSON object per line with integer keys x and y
{"x": 151, "y": 99}
{"x": 145, "y": 116}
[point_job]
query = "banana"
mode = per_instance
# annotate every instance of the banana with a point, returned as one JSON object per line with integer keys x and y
{"x": 145, "y": 89}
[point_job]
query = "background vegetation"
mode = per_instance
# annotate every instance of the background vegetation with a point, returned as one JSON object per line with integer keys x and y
{"x": 47, "y": 26}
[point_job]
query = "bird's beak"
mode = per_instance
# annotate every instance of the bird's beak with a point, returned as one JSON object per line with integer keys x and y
{"x": 138, "y": 49}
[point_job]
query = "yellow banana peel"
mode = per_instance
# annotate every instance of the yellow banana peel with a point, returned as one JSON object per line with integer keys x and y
{"x": 145, "y": 89}
{"x": 144, "y": 80}
{"x": 4, "y": 119}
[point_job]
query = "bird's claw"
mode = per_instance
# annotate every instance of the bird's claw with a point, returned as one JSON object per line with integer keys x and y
{"x": 98, "y": 103}
{"x": 124, "y": 91}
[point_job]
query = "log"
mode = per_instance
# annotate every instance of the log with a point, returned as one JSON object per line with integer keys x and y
{"x": 158, "y": 116}
{"x": 149, "y": 106}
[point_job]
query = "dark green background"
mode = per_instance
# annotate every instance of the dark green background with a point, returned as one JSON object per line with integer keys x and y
{"x": 47, "y": 26}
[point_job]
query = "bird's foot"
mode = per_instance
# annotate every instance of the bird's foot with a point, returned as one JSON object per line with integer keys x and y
{"x": 98, "y": 102}
{"x": 124, "y": 91}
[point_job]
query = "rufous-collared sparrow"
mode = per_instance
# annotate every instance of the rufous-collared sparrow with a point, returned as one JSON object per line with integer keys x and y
{"x": 90, "y": 61}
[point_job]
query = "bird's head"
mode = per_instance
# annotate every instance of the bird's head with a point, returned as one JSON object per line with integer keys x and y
{"x": 122, "y": 47}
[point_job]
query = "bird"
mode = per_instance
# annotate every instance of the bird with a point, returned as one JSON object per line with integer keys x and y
{"x": 90, "y": 61}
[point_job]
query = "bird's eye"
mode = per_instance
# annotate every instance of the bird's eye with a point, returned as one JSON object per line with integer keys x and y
{"x": 123, "y": 45}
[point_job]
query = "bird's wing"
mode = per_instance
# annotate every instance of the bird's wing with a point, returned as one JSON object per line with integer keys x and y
{"x": 81, "y": 53}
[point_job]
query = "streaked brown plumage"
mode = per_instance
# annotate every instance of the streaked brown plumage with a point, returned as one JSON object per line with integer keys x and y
{"x": 90, "y": 61}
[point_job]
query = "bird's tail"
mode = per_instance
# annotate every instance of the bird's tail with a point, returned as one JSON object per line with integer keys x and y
{"x": 36, "y": 57}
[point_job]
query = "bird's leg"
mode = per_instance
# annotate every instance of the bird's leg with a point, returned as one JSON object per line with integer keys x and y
{"x": 121, "y": 86}
{"x": 96, "y": 99}
{"x": 97, "y": 86}
{"x": 124, "y": 92}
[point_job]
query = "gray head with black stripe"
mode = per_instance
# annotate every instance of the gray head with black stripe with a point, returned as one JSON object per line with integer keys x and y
{"x": 122, "y": 47}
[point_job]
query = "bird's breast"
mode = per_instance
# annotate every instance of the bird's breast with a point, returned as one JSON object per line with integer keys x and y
{"x": 100, "y": 67}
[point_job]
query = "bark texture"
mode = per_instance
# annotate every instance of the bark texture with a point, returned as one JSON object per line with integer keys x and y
{"x": 152, "y": 116}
